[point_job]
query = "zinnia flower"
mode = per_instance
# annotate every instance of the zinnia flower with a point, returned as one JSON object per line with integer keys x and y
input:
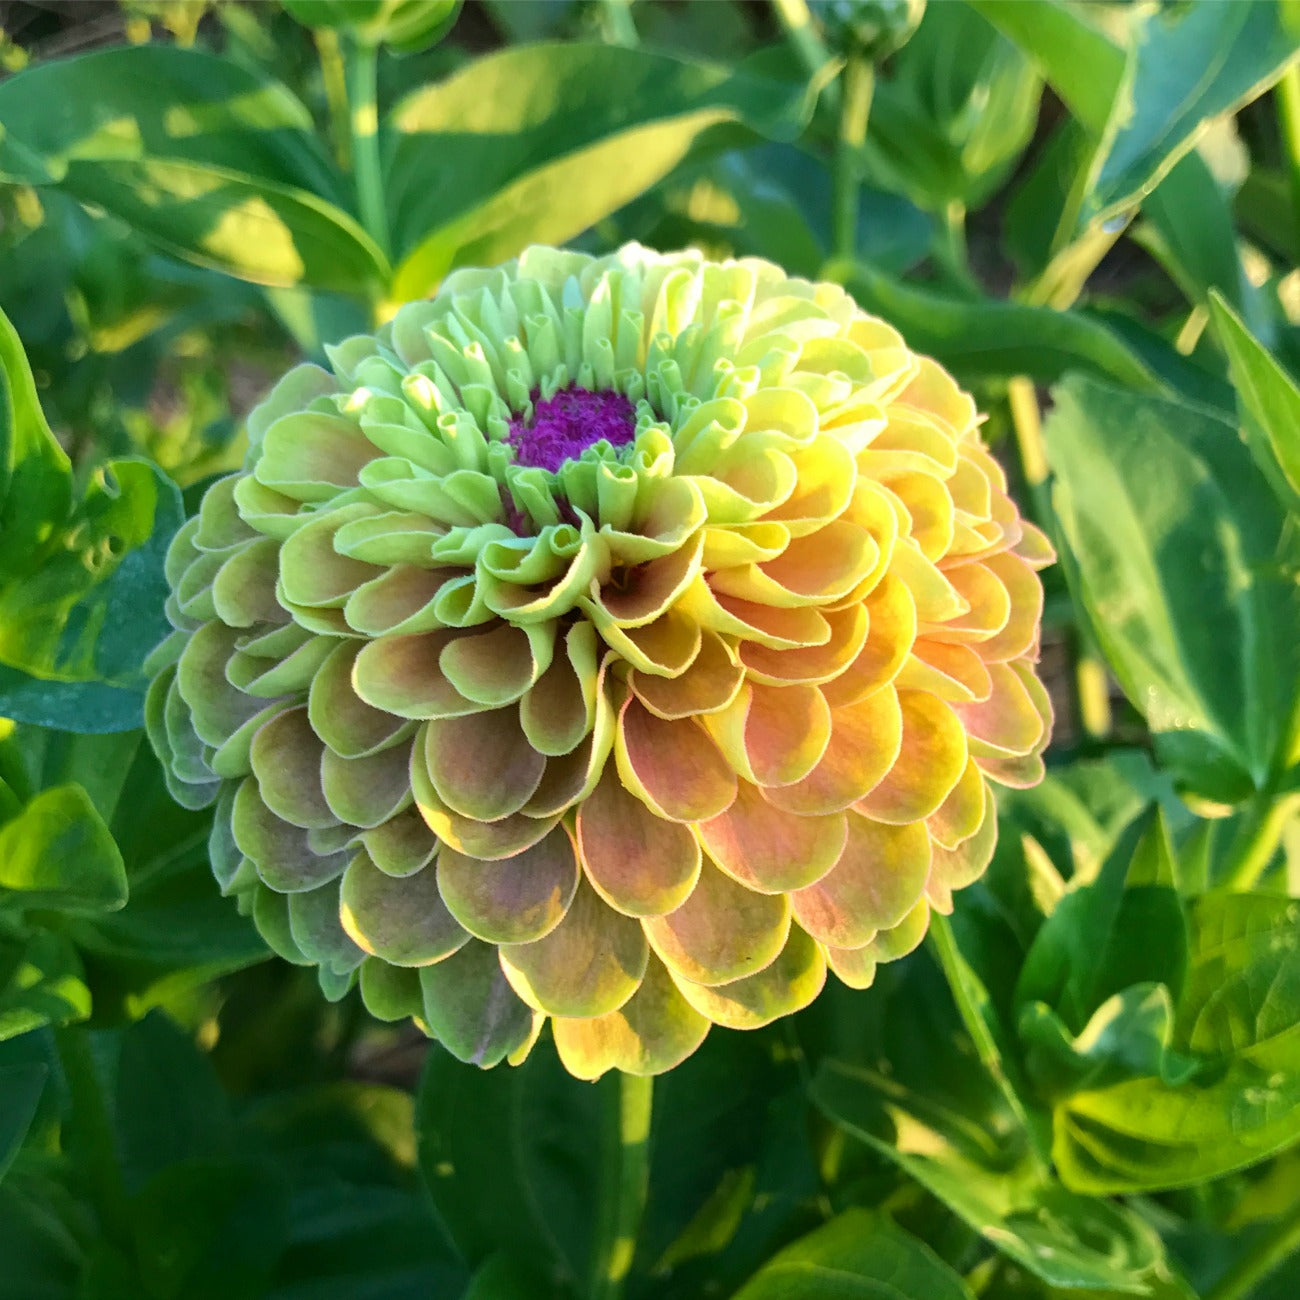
{"x": 623, "y": 641}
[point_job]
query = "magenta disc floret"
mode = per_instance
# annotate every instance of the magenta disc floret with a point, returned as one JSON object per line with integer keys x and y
{"x": 565, "y": 425}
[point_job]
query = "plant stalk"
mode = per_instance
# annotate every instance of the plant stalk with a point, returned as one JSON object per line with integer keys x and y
{"x": 1258, "y": 837}
{"x": 625, "y": 1183}
{"x": 801, "y": 30}
{"x": 363, "y": 118}
{"x": 619, "y": 24}
{"x": 1273, "y": 1247}
{"x": 1288, "y": 117}
{"x": 855, "y": 110}
{"x": 335, "y": 82}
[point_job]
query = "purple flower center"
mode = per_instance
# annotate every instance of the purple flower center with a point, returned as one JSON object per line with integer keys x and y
{"x": 565, "y": 425}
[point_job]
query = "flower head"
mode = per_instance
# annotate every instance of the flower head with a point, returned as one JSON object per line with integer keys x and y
{"x": 621, "y": 640}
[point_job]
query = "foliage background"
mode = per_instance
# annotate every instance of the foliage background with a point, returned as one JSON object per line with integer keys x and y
{"x": 1089, "y": 1083}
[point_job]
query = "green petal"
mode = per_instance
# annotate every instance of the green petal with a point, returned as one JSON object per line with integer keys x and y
{"x": 403, "y": 920}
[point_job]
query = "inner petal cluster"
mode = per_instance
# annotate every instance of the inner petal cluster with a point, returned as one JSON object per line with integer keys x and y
{"x": 618, "y": 642}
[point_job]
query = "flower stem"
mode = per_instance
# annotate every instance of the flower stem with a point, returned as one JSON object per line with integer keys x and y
{"x": 618, "y": 23}
{"x": 1257, "y": 838}
{"x": 855, "y": 109}
{"x": 1288, "y": 116}
{"x": 335, "y": 83}
{"x": 363, "y": 117}
{"x": 801, "y": 30}
{"x": 1259, "y": 1261}
{"x": 624, "y": 1185}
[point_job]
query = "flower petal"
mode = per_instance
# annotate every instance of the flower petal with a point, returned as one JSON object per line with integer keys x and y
{"x": 471, "y": 1010}
{"x": 515, "y": 899}
{"x": 673, "y": 766}
{"x": 722, "y": 932}
{"x": 404, "y": 921}
{"x": 590, "y": 964}
{"x": 655, "y": 1030}
{"x": 482, "y": 766}
{"x": 770, "y": 850}
{"x": 931, "y": 760}
{"x": 877, "y": 881}
{"x": 639, "y": 863}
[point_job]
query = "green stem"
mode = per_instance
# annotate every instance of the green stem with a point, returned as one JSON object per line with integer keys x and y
{"x": 90, "y": 1136}
{"x": 1288, "y": 116}
{"x": 943, "y": 944}
{"x": 950, "y": 249}
{"x": 801, "y": 30}
{"x": 363, "y": 116}
{"x": 624, "y": 1185}
{"x": 1257, "y": 837}
{"x": 1259, "y": 1261}
{"x": 335, "y": 82}
{"x": 619, "y": 24}
{"x": 855, "y": 109}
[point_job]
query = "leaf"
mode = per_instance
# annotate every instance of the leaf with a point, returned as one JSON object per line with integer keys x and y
{"x": 1110, "y": 933}
{"x": 536, "y": 143}
{"x": 1240, "y": 1017}
{"x": 20, "y": 1093}
{"x": 35, "y": 477}
{"x": 856, "y": 1256}
{"x": 510, "y": 1159}
{"x": 211, "y": 161}
{"x": 92, "y": 607}
{"x": 1172, "y": 548}
{"x": 170, "y": 1108}
{"x": 956, "y": 111}
{"x": 1191, "y": 66}
{"x": 1085, "y": 67}
{"x": 1268, "y": 397}
{"x": 57, "y": 853}
{"x": 989, "y": 338}
{"x": 985, "y": 1176}
{"x": 40, "y": 984}
{"x": 211, "y": 1229}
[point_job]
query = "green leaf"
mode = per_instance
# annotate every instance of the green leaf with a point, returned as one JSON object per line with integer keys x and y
{"x": 537, "y": 143}
{"x": 20, "y": 1093}
{"x": 989, "y": 338}
{"x": 1112, "y": 932}
{"x": 955, "y": 112}
{"x": 211, "y": 1229}
{"x": 1086, "y": 68}
{"x": 1268, "y": 397}
{"x": 170, "y": 1108}
{"x": 58, "y": 853}
{"x": 1172, "y": 548}
{"x": 40, "y": 984}
{"x": 210, "y": 161}
{"x": 90, "y": 607}
{"x": 985, "y": 1176}
{"x": 1240, "y": 1018}
{"x": 1192, "y": 65}
{"x": 856, "y": 1256}
{"x": 35, "y": 477}
{"x": 510, "y": 1160}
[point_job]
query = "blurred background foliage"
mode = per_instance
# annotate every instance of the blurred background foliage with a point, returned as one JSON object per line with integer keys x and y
{"x": 1089, "y": 1083}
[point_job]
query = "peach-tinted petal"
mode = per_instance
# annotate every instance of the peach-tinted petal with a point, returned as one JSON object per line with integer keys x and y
{"x": 865, "y": 740}
{"x": 589, "y": 965}
{"x": 1011, "y": 721}
{"x": 482, "y": 766}
{"x": 876, "y": 882}
{"x": 1020, "y": 634}
{"x": 787, "y": 984}
{"x": 769, "y": 850}
{"x": 949, "y": 670}
{"x": 673, "y": 766}
{"x": 709, "y": 684}
{"x": 515, "y": 899}
{"x": 954, "y": 868}
{"x": 773, "y": 735}
{"x": 639, "y": 863}
{"x": 960, "y": 814}
{"x": 931, "y": 760}
{"x": 722, "y": 932}
{"x": 891, "y": 631}
{"x": 810, "y": 664}
{"x": 653, "y": 1031}
{"x": 367, "y": 791}
{"x": 286, "y": 758}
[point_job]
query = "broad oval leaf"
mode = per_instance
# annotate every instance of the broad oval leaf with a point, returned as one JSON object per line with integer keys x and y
{"x": 536, "y": 143}
{"x": 206, "y": 158}
{"x": 1173, "y": 544}
{"x": 856, "y": 1256}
